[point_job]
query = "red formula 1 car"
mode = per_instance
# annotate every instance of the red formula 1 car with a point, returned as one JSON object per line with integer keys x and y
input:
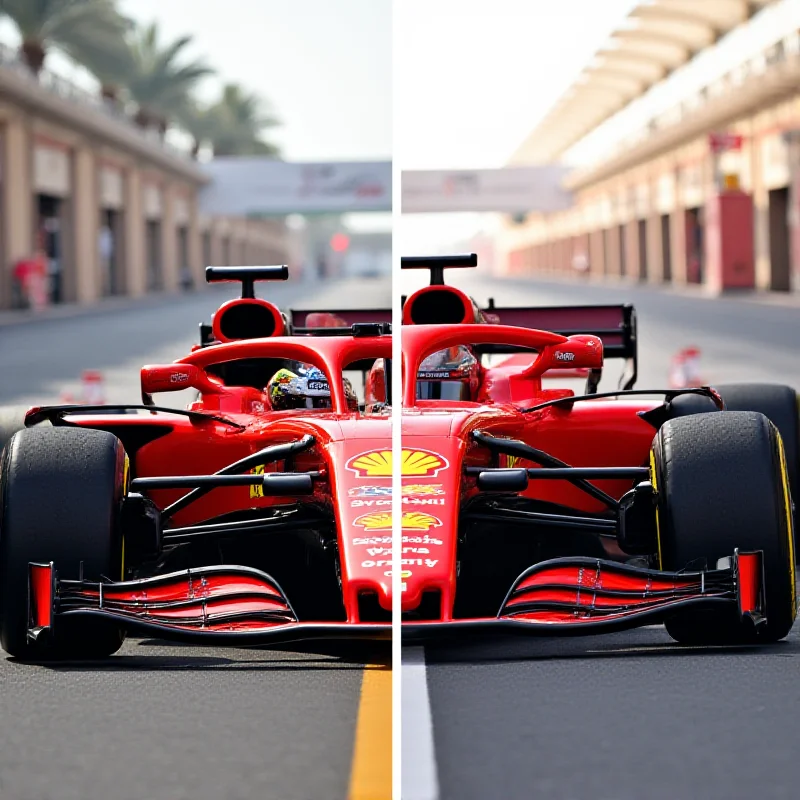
{"x": 235, "y": 521}
{"x": 529, "y": 508}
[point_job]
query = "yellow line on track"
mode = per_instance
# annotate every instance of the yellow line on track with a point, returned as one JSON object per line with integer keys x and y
{"x": 371, "y": 773}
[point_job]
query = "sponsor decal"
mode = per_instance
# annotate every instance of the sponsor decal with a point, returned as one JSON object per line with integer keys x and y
{"x": 418, "y": 521}
{"x": 372, "y": 464}
{"x": 436, "y": 374}
{"x": 368, "y": 540}
{"x": 421, "y": 540}
{"x": 369, "y": 503}
{"x": 510, "y": 461}
{"x": 378, "y": 464}
{"x": 411, "y": 520}
{"x": 377, "y": 521}
{"x": 422, "y": 488}
{"x": 565, "y": 356}
{"x": 422, "y": 463}
{"x": 406, "y": 562}
{"x": 370, "y": 491}
{"x": 257, "y": 490}
{"x": 387, "y": 551}
{"x": 179, "y": 377}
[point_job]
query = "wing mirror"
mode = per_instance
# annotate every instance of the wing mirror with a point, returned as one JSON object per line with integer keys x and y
{"x": 581, "y": 351}
{"x": 176, "y": 378}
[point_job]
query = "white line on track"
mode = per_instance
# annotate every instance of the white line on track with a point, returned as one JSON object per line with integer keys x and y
{"x": 419, "y": 778}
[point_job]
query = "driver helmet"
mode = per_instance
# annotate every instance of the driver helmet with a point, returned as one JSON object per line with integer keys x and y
{"x": 376, "y": 394}
{"x": 307, "y": 387}
{"x": 451, "y": 374}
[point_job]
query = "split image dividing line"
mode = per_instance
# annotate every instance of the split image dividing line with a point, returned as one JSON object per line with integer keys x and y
{"x": 418, "y": 778}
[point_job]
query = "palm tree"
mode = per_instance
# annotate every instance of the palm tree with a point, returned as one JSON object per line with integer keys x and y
{"x": 230, "y": 126}
{"x": 86, "y": 30}
{"x": 245, "y": 117}
{"x": 157, "y": 81}
{"x": 202, "y": 122}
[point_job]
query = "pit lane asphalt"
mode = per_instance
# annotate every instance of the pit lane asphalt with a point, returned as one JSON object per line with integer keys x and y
{"x": 630, "y": 715}
{"x": 160, "y": 721}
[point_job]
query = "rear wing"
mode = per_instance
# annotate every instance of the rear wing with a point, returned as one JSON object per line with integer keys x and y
{"x": 298, "y": 318}
{"x": 614, "y": 325}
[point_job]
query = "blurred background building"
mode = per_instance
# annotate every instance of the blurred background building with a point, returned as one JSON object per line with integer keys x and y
{"x": 676, "y": 151}
{"x": 119, "y": 177}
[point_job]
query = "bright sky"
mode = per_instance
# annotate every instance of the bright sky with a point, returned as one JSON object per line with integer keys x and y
{"x": 474, "y": 76}
{"x": 480, "y": 81}
{"x": 472, "y": 79}
{"x": 326, "y": 65}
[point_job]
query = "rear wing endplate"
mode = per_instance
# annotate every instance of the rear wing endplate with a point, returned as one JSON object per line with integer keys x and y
{"x": 352, "y": 316}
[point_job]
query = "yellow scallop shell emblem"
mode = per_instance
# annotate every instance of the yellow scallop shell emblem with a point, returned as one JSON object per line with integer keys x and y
{"x": 378, "y": 521}
{"x": 421, "y": 463}
{"x": 417, "y": 521}
{"x": 410, "y": 521}
{"x": 378, "y": 464}
{"x": 375, "y": 464}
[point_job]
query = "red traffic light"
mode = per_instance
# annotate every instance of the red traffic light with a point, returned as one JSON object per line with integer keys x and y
{"x": 340, "y": 242}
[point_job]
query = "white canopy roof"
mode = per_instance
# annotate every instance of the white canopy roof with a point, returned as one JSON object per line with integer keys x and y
{"x": 656, "y": 38}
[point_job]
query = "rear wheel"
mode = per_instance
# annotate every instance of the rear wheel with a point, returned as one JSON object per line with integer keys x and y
{"x": 722, "y": 484}
{"x": 61, "y": 491}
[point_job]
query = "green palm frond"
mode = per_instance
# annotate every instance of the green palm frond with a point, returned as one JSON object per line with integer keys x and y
{"x": 158, "y": 82}
{"x": 247, "y": 117}
{"x": 231, "y": 126}
{"x": 89, "y": 31}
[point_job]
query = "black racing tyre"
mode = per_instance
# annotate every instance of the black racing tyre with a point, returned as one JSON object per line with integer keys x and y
{"x": 61, "y": 490}
{"x": 779, "y": 404}
{"x": 721, "y": 484}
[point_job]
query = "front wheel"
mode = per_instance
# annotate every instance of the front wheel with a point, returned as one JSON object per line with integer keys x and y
{"x": 61, "y": 491}
{"x": 722, "y": 484}
{"x": 779, "y": 404}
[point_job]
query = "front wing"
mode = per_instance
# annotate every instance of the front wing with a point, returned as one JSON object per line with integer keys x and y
{"x": 240, "y": 606}
{"x": 587, "y": 596}
{"x": 235, "y": 606}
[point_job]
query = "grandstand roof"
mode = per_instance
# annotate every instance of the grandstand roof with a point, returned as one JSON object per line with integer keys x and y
{"x": 657, "y": 37}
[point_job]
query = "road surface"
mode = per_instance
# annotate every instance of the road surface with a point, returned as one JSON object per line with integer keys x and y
{"x": 630, "y": 715}
{"x": 167, "y": 722}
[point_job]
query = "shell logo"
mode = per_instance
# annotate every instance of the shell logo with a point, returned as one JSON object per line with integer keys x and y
{"x": 378, "y": 464}
{"x": 378, "y": 521}
{"x": 422, "y": 463}
{"x": 373, "y": 464}
{"x": 410, "y": 521}
{"x": 417, "y": 521}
